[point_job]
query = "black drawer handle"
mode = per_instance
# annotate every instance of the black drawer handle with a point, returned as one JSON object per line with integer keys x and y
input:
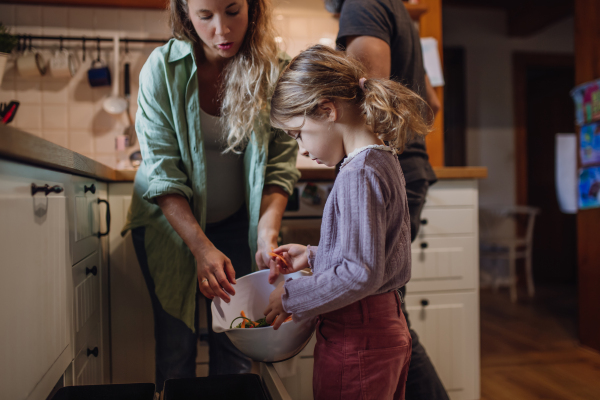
{"x": 424, "y": 302}
{"x": 93, "y": 271}
{"x": 424, "y": 221}
{"x": 91, "y": 188}
{"x": 100, "y": 234}
{"x": 424, "y": 245}
{"x": 46, "y": 189}
{"x": 92, "y": 352}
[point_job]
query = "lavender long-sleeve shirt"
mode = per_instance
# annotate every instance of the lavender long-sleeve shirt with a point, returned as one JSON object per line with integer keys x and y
{"x": 365, "y": 239}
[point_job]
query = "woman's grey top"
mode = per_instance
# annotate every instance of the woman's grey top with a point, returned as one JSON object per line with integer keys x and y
{"x": 224, "y": 172}
{"x": 365, "y": 239}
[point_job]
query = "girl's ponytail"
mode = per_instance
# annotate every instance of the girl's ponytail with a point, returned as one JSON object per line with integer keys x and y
{"x": 395, "y": 113}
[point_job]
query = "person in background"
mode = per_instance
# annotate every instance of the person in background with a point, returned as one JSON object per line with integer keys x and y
{"x": 210, "y": 193}
{"x": 324, "y": 101}
{"x": 382, "y": 35}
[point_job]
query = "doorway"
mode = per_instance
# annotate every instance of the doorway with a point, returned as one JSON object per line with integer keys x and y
{"x": 543, "y": 109}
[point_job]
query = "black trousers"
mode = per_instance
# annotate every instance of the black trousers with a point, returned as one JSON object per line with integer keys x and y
{"x": 423, "y": 382}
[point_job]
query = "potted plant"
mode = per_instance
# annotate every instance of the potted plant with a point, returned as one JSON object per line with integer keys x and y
{"x": 7, "y": 44}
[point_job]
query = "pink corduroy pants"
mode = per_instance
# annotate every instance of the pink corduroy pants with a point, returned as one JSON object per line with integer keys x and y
{"x": 363, "y": 351}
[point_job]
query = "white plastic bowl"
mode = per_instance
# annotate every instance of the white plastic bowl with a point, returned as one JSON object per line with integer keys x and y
{"x": 260, "y": 344}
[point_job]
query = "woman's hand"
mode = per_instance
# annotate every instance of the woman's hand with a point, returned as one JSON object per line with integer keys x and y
{"x": 215, "y": 273}
{"x": 275, "y": 309}
{"x": 264, "y": 260}
{"x": 295, "y": 256}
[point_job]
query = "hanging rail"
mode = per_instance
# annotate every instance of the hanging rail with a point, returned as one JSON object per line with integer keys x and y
{"x": 89, "y": 39}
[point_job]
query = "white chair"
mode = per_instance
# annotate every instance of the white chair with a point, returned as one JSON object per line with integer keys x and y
{"x": 499, "y": 240}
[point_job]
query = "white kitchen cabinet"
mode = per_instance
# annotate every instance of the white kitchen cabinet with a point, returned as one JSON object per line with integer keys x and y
{"x": 447, "y": 325}
{"x": 103, "y": 253}
{"x": 86, "y": 299}
{"x": 35, "y": 338}
{"x": 442, "y": 297}
{"x": 85, "y": 218}
{"x": 87, "y": 365}
{"x": 51, "y": 281}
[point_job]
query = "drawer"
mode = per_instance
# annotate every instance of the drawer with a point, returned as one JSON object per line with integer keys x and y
{"x": 444, "y": 263}
{"x": 86, "y": 224}
{"x": 451, "y": 193}
{"x": 448, "y": 327}
{"x": 86, "y": 298}
{"x": 448, "y": 221}
{"x": 87, "y": 366}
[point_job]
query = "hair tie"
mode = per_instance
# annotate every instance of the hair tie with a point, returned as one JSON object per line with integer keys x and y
{"x": 361, "y": 83}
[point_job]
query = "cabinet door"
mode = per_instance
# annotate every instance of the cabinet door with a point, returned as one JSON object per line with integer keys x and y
{"x": 86, "y": 299}
{"x": 86, "y": 218}
{"x": 34, "y": 318}
{"x": 448, "y": 328}
{"x": 87, "y": 366}
{"x": 443, "y": 263}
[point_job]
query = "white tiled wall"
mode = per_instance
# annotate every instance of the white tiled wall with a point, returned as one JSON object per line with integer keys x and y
{"x": 68, "y": 111}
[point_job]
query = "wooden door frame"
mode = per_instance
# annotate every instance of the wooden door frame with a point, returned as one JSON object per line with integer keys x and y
{"x": 520, "y": 62}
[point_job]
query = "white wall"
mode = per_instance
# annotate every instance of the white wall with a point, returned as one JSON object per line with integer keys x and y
{"x": 68, "y": 111}
{"x": 490, "y": 121}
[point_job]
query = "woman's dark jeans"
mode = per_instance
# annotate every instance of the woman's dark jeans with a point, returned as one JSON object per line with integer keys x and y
{"x": 176, "y": 344}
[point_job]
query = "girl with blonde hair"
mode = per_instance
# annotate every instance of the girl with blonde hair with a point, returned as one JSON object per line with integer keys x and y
{"x": 215, "y": 177}
{"x": 324, "y": 101}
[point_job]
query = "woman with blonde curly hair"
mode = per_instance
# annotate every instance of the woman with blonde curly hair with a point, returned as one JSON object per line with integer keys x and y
{"x": 215, "y": 178}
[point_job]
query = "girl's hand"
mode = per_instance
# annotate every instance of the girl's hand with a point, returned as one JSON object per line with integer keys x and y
{"x": 264, "y": 260}
{"x": 275, "y": 309}
{"x": 295, "y": 256}
{"x": 215, "y": 274}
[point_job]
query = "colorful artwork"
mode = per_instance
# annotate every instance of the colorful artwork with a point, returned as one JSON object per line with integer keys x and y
{"x": 587, "y": 102}
{"x": 589, "y": 188}
{"x": 590, "y": 144}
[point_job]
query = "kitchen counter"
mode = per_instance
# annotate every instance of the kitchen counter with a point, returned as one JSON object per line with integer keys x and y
{"x": 21, "y": 146}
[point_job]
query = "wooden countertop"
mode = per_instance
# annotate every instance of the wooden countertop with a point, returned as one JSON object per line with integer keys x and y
{"x": 24, "y": 147}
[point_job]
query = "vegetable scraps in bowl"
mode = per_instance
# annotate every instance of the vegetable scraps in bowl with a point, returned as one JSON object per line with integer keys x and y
{"x": 248, "y": 323}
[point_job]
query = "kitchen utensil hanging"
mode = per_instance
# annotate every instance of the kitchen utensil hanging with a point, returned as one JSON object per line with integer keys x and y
{"x": 115, "y": 104}
{"x": 31, "y": 63}
{"x": 99, "y": 74}
{"x": 129, "y": 131}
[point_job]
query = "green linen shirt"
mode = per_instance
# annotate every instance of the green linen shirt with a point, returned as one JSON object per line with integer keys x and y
{"x": 171, "y": 142}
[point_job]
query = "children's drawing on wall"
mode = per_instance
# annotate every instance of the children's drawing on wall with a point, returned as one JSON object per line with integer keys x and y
{"x": 589, "y": 187}
{"x": 590, "y": 144}
{"x": 587, "y": 102}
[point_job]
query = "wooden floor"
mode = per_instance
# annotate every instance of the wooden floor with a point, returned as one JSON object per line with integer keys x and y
{"x": 529, "y": 350}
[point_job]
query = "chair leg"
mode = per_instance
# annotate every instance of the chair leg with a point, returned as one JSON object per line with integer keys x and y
{"x": 495, "y": 283}
{"x": 528, "y": 267}
{"x": 512, "y": 274}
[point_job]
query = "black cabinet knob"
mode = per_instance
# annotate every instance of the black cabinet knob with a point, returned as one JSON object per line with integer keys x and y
{"x": 93, "y": 271}
{"x": 424, "y": 221}
{"x": 424, "y": 302}
{"x": 424, "y": 245}
{"x": 92, "y": 352}
{"x": 46, "y": 189}
{"x": 91, "y": 188}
